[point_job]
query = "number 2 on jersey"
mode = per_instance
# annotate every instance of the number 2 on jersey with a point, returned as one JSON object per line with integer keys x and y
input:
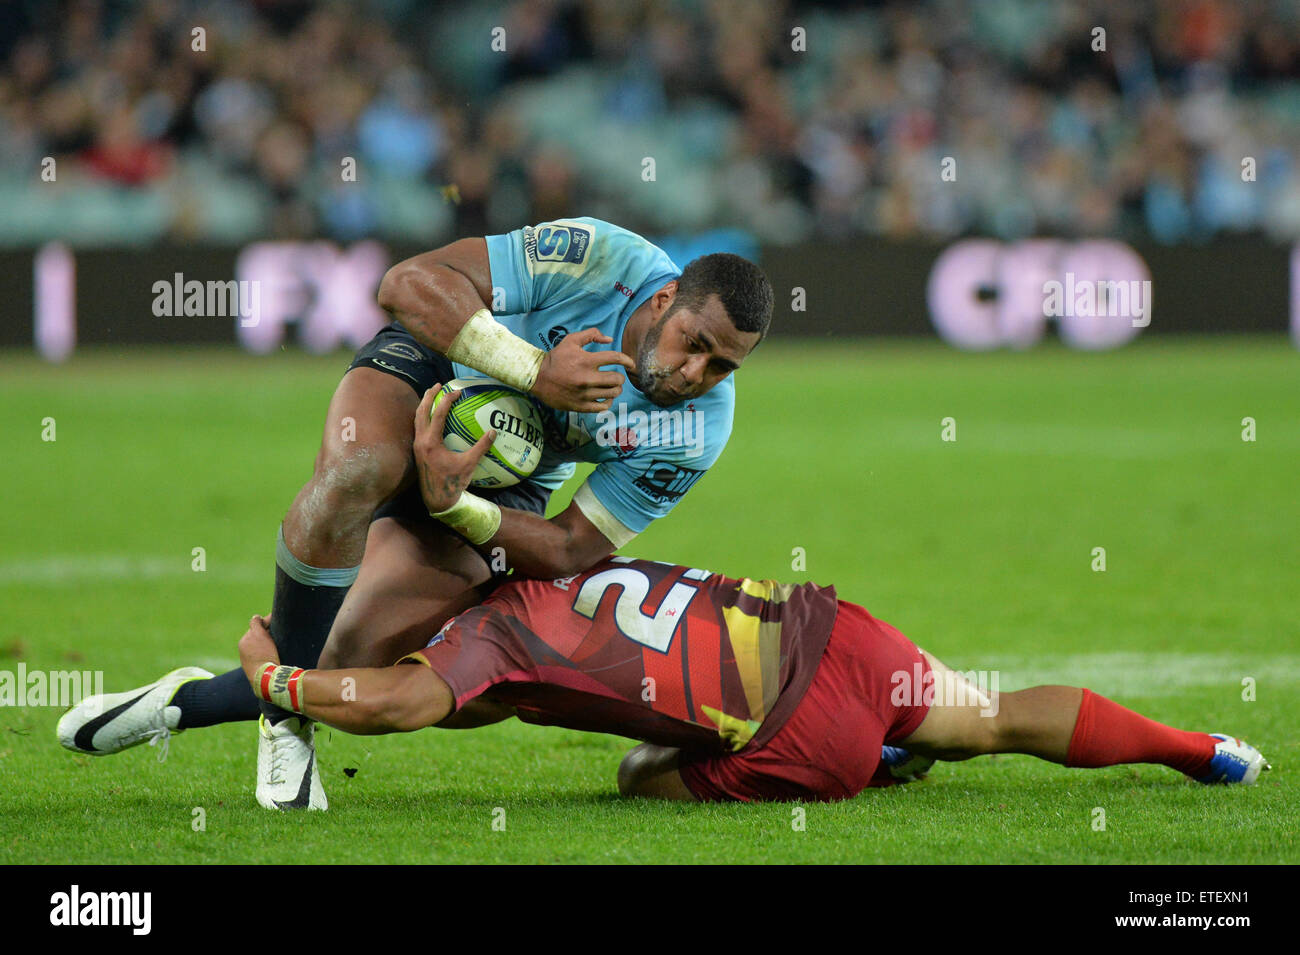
{"x": 654, "y": 632}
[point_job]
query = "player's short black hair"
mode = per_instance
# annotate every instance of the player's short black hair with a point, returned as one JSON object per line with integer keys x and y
{"x": 740, "y": 285}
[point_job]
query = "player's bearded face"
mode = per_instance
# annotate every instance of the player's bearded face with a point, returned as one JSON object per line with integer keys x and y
{"x": 688, "y": 351}
{"x": 652, "y": 374}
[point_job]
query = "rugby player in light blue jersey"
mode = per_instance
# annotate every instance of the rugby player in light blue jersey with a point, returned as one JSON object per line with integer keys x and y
{"x": 632, "y": 357}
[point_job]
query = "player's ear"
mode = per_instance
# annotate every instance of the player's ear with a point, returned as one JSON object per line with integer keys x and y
{"x": 663, "y": 299}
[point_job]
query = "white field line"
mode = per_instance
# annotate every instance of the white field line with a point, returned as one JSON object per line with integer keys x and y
{"x": 70, "y": 569}
{"x": 1149, "y": 674}
{"x": 1079, "y": 439}
{"x": 217, "y": 665}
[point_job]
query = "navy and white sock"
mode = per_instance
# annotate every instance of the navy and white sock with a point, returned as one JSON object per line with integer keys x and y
{"x": 307, "y": 599}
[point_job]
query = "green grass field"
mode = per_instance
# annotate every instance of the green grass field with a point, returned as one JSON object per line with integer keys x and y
{"x": 980, "y": 549}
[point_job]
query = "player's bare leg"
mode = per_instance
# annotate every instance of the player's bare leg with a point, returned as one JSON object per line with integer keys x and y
{"x": 415, "y": 577}
{"x": 1070, "y": 726}
{"x": 364, "y": 459}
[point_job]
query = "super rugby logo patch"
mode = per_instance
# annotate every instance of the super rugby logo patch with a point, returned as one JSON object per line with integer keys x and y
{"x": 557, "y": 247}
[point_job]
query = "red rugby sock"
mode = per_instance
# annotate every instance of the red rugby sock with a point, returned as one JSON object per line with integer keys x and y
{"x": 1107, "y": 734}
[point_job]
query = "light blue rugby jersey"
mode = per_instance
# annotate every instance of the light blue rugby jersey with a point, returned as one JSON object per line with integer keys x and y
{"x": 571, "y": 274}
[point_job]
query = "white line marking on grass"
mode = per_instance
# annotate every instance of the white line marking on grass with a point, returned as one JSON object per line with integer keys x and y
{"x": 67, "y": 569}
{"x": 1077, "y": 439}
{"x": 1147, "y": 674}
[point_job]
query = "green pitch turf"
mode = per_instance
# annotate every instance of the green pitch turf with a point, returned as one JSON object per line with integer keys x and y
{"x": 981, "y": 549}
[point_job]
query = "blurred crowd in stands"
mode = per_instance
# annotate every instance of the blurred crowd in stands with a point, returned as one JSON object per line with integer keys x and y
{"x": 235, "y": 120}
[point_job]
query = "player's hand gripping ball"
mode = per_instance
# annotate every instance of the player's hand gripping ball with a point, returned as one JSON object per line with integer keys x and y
{"x": 487, "y": 405}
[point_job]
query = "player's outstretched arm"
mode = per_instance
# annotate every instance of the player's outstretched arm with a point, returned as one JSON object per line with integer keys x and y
{"x": 364, "y": 701}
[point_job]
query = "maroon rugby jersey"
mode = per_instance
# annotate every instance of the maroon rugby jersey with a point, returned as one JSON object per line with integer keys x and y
{"x": 639, "y": 648}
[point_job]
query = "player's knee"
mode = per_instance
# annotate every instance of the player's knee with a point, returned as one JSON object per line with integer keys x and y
{"x": 649, "y": 770}
{"x": 953, "y": 733}
{"x": 348, "y": 485}
{"x": 632, "y": 770}
{"x": 978, "y": 732}
{"x": 362, "y": 474}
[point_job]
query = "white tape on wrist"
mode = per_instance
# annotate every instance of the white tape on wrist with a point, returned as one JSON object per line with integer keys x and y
{"x": 478, "y": 519}
{"x": 281, "y": 685}
{"x": 488, "y": 346}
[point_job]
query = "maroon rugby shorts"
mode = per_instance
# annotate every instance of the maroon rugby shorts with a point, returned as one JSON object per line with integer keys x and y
{"x": 829, "y": 748}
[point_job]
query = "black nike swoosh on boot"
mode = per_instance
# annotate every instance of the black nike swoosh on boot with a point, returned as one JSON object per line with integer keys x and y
{"x": 85, "y": 738}
{"x": 303, "y": 799}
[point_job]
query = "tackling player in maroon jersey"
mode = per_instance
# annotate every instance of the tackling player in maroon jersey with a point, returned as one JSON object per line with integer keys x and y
{"x": 741, "y": 689}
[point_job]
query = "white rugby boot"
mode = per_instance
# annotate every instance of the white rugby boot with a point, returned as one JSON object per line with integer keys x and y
{"x": 1235, "y": 761}
{"x": 288, "y": 776}
{"x": 111, "y": 722}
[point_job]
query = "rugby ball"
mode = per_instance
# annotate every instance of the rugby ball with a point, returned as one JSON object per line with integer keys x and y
{"x": 485, "y": 405}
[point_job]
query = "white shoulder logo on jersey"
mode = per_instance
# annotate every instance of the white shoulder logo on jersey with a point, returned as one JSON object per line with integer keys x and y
{"x": 559, "y": 246}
